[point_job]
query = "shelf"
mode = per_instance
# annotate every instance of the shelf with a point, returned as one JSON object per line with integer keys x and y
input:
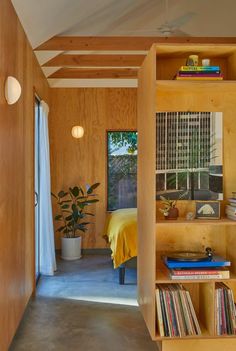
{"x": 205, "y": 335}
{"x": 182, "y": 221}
{"x": 182, "y": 84}
{"x": 203, "y": 50}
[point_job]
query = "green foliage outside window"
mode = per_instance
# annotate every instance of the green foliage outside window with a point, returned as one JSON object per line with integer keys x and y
{"x": 122, "y": 170}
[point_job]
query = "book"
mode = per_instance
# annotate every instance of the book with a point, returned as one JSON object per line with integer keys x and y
{"x": 199, "y": 68}
{"x": 166, "y": 329}
{"x": 216, "y": 261}
{"x": 190, "y": 329}
{"x": 198, "y": 73}
{"x": 198, "y": 271}
{"x": 199, "y": 274}
{"x": 223, "y": 311}
{"x": 159, "y": 313}
{"x": 229, "y": 327}
{"x": 217, "y": 320}
{"x": 167, "y": 313}
{"x": 230, "y": 212}
{"x": 230, "y": 208}
{"x": 199, "y": 78}
{"x": 229, "y": 216}
{"x": 175, "y": 330}
{"x": 193, "y": 313}
{"x": 232, "y": 309}
{"x": 233, "y": 200}
{"x": 177, "y": 309}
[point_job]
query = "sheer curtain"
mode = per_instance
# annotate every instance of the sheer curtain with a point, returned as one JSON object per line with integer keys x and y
{"x": 47, "y": 261}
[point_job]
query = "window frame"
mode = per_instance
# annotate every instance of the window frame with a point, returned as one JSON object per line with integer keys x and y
{"x": 106, "y": 153}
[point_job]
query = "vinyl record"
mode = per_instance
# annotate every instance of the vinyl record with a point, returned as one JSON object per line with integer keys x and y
{"x": 192, "y": 256}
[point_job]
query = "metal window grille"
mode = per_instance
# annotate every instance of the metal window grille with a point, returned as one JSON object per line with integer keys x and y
{"x": 183, "y": 143}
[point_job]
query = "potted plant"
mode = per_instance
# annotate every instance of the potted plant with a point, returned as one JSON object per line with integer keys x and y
{"x": 73, "y": 215}
{"x": 169, "y": 210}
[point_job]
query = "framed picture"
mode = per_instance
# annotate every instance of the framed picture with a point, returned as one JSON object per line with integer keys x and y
{"x": 208, "y": 209}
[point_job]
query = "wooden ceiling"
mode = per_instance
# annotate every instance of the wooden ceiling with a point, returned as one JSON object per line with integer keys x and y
{"x": 77, "y": 39}
{"x": 74, "y": 63}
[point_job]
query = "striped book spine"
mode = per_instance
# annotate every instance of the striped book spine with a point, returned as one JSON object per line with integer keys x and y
{"x": 199, "y": 78}
{"x": 198, "y": 74}
{"x": 200, "y": 68}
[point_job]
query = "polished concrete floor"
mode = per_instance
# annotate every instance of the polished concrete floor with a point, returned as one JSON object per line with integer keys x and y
{"x": 84, "y": 308}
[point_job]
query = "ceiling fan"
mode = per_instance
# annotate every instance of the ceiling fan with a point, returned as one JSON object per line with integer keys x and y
{"x": 170, "y": 28}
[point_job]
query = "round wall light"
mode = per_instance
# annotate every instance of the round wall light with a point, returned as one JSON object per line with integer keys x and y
{"x": 12, "y": 90}
{"x": 77, "y": 132}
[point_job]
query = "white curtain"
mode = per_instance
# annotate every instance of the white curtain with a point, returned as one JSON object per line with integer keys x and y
{"x": 47, "y": 260}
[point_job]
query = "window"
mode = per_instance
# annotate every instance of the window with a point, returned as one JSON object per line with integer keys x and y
{"x": 121, "y": 170}
{"x": 189, "y": 155}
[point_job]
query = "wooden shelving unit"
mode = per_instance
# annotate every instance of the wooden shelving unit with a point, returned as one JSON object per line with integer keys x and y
{"x": 158, "y": 92}
{"x": 181, "y": 221}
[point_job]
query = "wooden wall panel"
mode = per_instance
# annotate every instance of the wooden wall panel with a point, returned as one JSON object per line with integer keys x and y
{"x": 17, "y": 173}
{"x": 146, "y": 189}
{"x": 81, "y": 161}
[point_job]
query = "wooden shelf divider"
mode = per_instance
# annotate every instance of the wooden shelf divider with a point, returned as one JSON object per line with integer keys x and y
{"x": 158, "y": 92}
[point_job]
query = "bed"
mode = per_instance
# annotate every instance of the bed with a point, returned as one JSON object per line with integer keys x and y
{"x": 121, "y": 232}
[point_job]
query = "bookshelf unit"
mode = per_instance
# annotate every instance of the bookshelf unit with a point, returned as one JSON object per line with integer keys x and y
{"x": 158, "y": 92}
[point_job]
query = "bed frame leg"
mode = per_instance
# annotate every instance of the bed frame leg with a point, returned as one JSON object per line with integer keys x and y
{"x": 122, "y": 275}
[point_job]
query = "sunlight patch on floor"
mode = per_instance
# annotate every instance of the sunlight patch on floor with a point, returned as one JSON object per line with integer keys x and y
{"x": 104, "y": 299}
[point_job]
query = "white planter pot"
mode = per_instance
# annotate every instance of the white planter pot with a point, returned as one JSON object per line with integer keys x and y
{"x": 71, "y": 248}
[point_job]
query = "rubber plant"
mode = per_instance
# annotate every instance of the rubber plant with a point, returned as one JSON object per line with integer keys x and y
{"x": 72, "y": 205}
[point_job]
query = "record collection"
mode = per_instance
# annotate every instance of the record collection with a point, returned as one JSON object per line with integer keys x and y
{"x": 175, "y": 311}
{"x": 225, "y": 310}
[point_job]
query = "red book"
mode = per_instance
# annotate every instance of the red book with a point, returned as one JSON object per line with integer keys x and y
{"x": 196, "y": 271}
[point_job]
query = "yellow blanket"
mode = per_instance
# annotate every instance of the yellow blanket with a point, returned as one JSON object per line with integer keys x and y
{"x": 121, "y": 229}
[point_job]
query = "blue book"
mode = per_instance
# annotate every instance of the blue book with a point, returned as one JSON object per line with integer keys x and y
{"x": 216, "y": 261}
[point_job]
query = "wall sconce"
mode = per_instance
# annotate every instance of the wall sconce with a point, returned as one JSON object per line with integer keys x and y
{"x": 77, "y": 132}
{"x": 12, "y": 90}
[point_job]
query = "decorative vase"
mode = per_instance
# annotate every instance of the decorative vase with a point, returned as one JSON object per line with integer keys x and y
{"x": 173, "y": 213}
{"x": 71, "y": 248}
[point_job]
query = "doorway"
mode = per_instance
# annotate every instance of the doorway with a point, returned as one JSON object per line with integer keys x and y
{"x": 36, "y": 182}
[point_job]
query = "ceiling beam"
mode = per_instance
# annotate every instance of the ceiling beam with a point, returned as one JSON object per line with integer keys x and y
{"x": 70, "y": 43}
{"x": 88, "y": 73}
{"x": 95, "y": 61}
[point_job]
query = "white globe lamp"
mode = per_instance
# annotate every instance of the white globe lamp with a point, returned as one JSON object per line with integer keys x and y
{"x": 77, "y": 132}
{"x": 12, "y": 90}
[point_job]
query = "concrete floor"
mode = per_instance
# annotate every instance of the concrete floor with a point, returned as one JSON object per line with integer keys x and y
{"x": 84, "y": 308}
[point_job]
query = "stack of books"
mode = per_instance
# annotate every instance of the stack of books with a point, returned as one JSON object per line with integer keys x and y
{"x": 215, "y": 268}
{"x": 199, "y": 73}
{"x": 225, "y": 310}
{"x": 175, "y": 312}
{"x": 203, "y": 273}
{"x": 230, "y": 209}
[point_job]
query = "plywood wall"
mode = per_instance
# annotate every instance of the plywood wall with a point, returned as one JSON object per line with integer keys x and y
{"x": 146, "y": 189}
{"x": 81, "y": 161}
{"x": 16, "y": 173}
